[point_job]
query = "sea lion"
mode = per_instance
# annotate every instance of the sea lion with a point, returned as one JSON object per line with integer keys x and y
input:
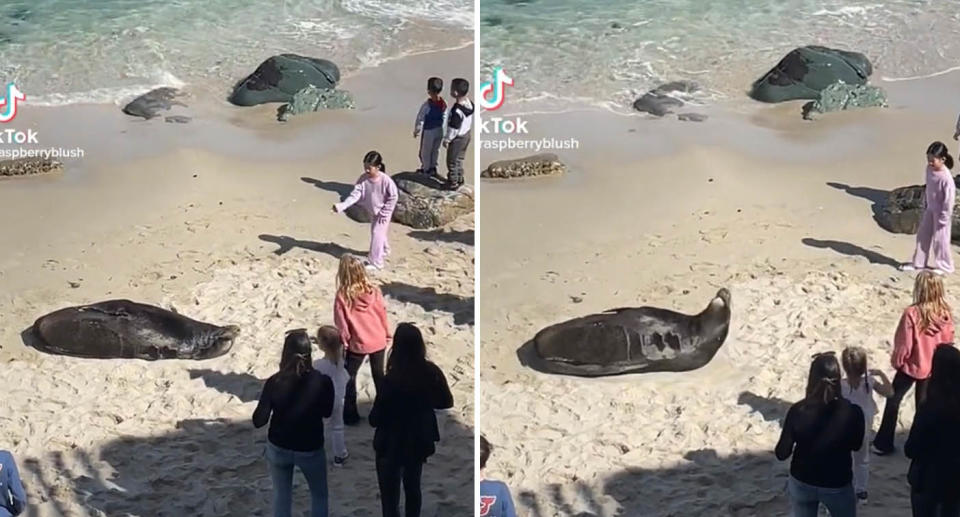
{"x": 129, "y": 330}
{"x": 631, "y": 340}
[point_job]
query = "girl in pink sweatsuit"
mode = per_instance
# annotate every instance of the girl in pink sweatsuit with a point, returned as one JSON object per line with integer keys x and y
{"x": 933, "y": 249}
{"x": 923, "y": 326}
{"x": 377, "y": 194}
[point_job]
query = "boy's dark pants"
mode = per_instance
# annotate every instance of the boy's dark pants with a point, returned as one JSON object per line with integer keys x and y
{"x": 456, "y": 151}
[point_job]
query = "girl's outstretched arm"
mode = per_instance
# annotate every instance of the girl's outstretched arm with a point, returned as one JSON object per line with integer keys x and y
{"x": 881, "y": 384}
{"x": 354, "y": 196}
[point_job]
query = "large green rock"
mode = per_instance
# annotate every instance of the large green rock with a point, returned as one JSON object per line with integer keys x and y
{"x": 807, "y": 71}
{"x": 277, "y": 79}
{"x": 312, "y": 99}
{"x": 842, "y": 96}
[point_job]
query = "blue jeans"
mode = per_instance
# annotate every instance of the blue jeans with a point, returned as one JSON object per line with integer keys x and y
{"x": 805, "y": 499}
{"x": 313, "y": 464}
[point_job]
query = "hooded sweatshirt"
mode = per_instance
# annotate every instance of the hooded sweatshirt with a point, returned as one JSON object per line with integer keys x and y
{"x": 363, "y": 326}
{"x": 460, "y": 120}
{"x": 913, "y": 347}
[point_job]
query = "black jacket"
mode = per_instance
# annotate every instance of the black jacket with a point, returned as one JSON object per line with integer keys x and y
{"x": 934, "y": 447}
{"x": 403, "y": 413}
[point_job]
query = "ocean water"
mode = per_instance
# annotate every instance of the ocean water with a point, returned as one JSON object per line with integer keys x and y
{"x": 73, "y": 51}
{"x": 564, "y": 54}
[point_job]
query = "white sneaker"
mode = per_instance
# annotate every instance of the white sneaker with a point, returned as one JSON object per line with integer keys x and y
{"x": 371, "y": 268}
{"x": 938, "y": 271}
{"x": 907, "y": 267}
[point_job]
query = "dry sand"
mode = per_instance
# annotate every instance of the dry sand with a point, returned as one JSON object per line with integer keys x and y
{"x": 228, "y": 222}
{"x": 663, "y": 213}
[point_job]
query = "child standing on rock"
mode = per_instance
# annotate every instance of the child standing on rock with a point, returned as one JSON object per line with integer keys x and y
{"x": 457, "y": 138}
{"x": 430, "y": 120}
{"x": 377, "y": 194}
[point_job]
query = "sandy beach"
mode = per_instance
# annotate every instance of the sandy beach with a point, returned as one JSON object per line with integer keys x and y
{"x": 226, "y": 219}
{"x": 664, "y": 213}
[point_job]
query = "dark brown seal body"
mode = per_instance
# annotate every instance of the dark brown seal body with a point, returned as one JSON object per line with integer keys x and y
{"x": 633, "y": 340}
{"x": 125, "y": 329}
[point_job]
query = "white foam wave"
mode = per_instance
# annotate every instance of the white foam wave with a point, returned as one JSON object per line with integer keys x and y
{"x": 108, "y": 95}
{"x": 849, "y": 10}
{"x": 453, "y": 12}
{"x": 917, "y": 77}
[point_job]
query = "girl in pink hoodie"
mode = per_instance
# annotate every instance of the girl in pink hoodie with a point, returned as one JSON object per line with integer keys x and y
{"x": 376, "y": 192}
{"x": 361, "y": 319}
{"x": 923, "y": 326}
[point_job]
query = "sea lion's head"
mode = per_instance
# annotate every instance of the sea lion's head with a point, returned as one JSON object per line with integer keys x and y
{"x": 219, "y": 342}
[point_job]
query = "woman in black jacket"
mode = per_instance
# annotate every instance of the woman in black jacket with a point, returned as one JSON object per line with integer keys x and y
{"x": 295, "y": 400}
{"x": 934, "y": 474}
{"x": 403, "y": 414}
{"x": 820, "y": 432}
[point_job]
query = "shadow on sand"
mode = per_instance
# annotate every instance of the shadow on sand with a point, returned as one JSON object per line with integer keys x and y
{"x": 428, "y": 298}
{"x": 463, "y": 237}
{"x": 852, "y": 250}
{"x": 216, "y": 467}
{"x": 288, "y": 243}
{"x": 741, "y": 485}
{"x": 876, "y": 197}
{"x": 341, "y": 189}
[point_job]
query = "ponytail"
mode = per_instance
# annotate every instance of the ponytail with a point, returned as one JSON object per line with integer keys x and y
{"x": 940, "y": 150}
{"x": 374, "y": 158}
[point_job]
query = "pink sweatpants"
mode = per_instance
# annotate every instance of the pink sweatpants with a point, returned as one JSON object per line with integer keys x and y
{"x": 379, "y": 247}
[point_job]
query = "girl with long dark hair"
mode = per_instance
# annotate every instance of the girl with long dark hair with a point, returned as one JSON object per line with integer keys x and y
{"x": 403, "y": 413}
{"x": 295, "y": 400}
{"x": 820, "y": 432}
{"x": 933, "y": 236}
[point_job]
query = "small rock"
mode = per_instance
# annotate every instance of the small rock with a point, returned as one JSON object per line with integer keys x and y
{"x": 29, "y": 166}
{"x": 74, "y": 285}
{"x": 151, "y": 103}
{"x": 691, "y": 117}
{"x": 576, "y": 299}
{"x": 546, "y": 164}
{"x": 178, "y": 119}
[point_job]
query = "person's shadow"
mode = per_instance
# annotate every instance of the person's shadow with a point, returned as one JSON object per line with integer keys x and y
{"x": 852, "y": 250}
{"x": 286, "y": 244}
{"x": 341, "y": 189}
{"x": 876, "y": 197}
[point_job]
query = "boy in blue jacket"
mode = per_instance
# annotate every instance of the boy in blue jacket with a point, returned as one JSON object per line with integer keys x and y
{"x": 495, "y": 500}
{"x": 12, "y": 497}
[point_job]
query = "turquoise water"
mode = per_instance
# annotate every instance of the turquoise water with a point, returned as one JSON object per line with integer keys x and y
{"x": 566, "y": 53}
{"x": 65, "y": 51}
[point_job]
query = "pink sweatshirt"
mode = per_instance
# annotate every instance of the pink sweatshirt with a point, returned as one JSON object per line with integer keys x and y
{"x": 913, "y": 347}
{"x": 378, "y": 197}
{"x": 363, "y": 326}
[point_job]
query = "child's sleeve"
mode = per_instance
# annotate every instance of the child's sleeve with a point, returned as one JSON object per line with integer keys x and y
{"x": 902, "y": 341}
{"x": 354, "y": 196}
{"x": 784, "y": 446}
{"x": 390, "y": 202}
{"x": 15, "y": 484}
{"x": 382, "y": 313}
{"x": 453, "y": 125}
{"x": 508, "y": 510}
{"x": 421, "y": 115}
{"x": 947, "y": 198}
{"x": 261, "y": 415}
{"x": 340, "y": 320}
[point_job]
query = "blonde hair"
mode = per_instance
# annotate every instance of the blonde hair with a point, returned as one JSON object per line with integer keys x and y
{"x": 352, "y": 279}
{"x": 854, "y": 361}
{"x": 328, "y": 339}
{"x": 928, "y": 297}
